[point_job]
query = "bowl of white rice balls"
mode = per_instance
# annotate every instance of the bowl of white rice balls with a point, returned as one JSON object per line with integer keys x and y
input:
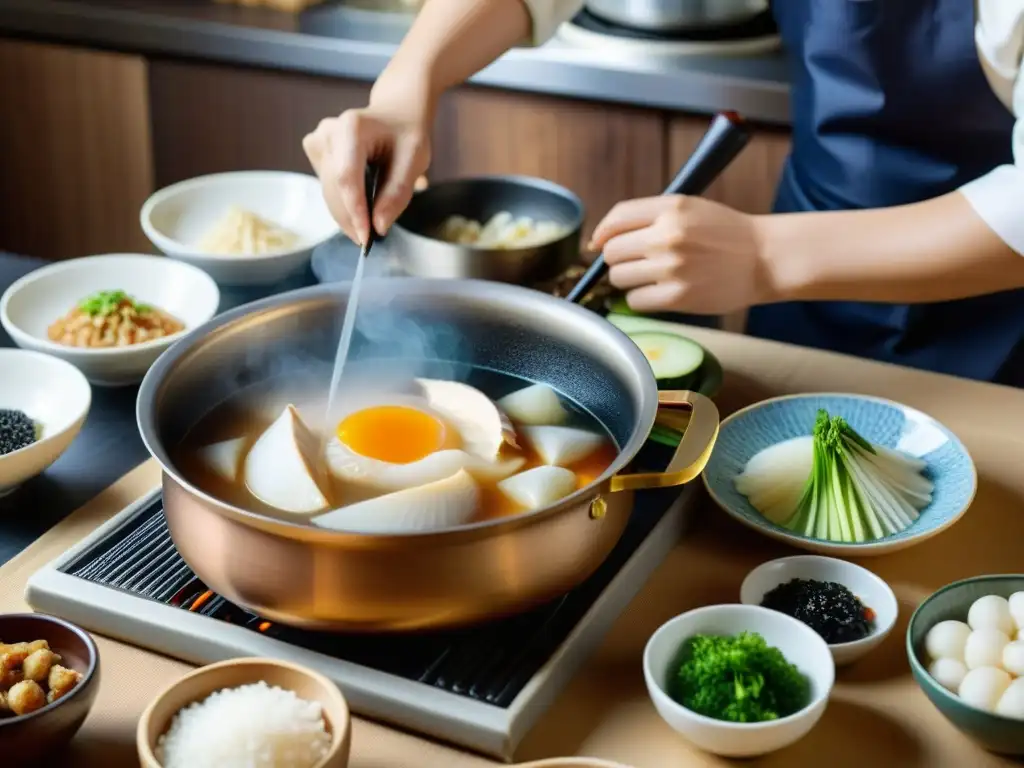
{"x": 966, "y": 650}
{"x": 260, "y": 713}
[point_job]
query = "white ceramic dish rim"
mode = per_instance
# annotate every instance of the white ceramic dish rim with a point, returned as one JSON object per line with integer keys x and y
{"x": 798, "y": 626}
{"x": 72, "y": 352}
{"x": 72, "y": 371}
{"x": 869, "y": 575}
{"x": 914, "y": 659}
{"x": 847, "y": 546}
{"x": 178, "y": 248}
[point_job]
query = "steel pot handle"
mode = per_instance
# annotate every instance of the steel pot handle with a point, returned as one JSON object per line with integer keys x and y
{"x": 694, "y": 450}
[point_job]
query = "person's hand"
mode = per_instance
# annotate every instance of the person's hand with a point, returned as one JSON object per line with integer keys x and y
{"x": 683, "y": 254}
{"x": 340, "y": 148}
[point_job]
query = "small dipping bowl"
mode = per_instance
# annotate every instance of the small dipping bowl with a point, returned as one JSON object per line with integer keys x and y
{"x": 1002, "y": 735}
{"x": 801, "y": 646}
{"x": 197, "y": 685}
{"x": 55, "y": 395}
{"x": 27, "y": 741}
{"x": 872, "y": 591}
{"x": 413, "y": 242}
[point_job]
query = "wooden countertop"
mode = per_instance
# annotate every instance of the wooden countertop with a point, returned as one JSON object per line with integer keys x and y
{"x": 877, "y": 715}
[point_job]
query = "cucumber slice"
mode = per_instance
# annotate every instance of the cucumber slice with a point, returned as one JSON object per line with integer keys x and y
{"x": 672, "y": 357}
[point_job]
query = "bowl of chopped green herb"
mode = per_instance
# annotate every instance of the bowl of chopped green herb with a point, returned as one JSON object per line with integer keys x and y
{"x": 43, "y": 404}
{"x": 110, "y": 316}
{"x": 738, "y": 680}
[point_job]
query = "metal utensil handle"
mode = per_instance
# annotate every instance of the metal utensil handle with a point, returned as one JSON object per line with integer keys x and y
{"x": 723, "y": 141}
{"x": 372, "y": 181}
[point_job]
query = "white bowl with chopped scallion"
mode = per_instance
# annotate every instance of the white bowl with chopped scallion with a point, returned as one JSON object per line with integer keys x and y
{"x": 840, "y": 474}
{"x": 110, "y": 316}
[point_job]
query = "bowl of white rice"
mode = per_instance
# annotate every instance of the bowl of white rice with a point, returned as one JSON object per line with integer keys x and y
{"x": 251, "y": 713}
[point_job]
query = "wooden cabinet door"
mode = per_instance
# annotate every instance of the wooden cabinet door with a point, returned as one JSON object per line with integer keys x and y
{"x": 209, "y": 118}
{"x": 603, "y": 153}
{"x": 74, "y": 150}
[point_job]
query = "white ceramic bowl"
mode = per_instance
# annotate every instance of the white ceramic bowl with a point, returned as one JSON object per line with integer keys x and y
{"x": 178, "y": 217}
{"x": 31, "y": 304}
{"x": 800, "y": 644}
{"x": 872, "y": 591}
{"x": 52, "y": 393}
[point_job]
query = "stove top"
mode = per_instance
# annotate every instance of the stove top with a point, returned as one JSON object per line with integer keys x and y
{"x": 481, "y": 688}
{"x": 755, "y": 35}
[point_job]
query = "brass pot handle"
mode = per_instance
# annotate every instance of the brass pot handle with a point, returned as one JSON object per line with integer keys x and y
{"x": 693, "y": 451}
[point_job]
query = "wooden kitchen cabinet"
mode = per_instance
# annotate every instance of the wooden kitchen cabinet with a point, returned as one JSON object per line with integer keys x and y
{"x": 75, "y": 157}
{"x": 210, "y": 119}
{"x": 603, "y": 152}
{"x": 749, "y": 183}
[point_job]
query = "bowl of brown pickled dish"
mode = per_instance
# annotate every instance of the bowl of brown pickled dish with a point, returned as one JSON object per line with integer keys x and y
{"x": 49, "y": 677}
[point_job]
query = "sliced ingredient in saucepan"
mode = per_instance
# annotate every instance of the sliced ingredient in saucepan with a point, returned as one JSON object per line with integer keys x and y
{"x": 741, "y": 679}
{"x": 32, "y": 676}
{"x": 562, "y": 446}
{"x": 538, "y": 487}
{"x": 254, "y": 725}
{"x": 835, "y": 485}
{"x": 503, "y": 231}
{"x": 830, "y": 609}
{"x": 17, "y": 431}
{"x": 982, "y": 660}
{"x": 535, "y": 405}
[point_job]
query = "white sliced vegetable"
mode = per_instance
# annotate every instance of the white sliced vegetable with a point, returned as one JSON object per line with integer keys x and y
{"x": 539, "y": 487}
{"x": 833, "y": 485}
{"x": 281, "y": 469}
{"x": 434, "y": 506}
{"x": 475, "y": 417}
{"x": 536, "y": 405}
{"x": 224, "y": 458}
{"x": 562, "y": 445}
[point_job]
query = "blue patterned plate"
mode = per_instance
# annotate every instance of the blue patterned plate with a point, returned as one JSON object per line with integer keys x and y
{"x": 896, "y": 426}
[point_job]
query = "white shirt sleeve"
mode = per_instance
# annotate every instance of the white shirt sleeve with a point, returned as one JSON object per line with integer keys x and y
{"x": 547, "y": 15}
{"x": 998, "y": 197}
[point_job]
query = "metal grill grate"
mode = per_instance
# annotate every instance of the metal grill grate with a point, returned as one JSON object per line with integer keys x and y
{"x": 490, "y": 663}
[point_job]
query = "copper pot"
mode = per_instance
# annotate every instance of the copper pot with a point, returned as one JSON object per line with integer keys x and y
{"x": 309, "y": 577}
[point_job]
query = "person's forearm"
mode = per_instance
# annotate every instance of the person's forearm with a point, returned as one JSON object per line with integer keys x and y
{"x": 932, "y": 251}
{"x": 450, "y": 41}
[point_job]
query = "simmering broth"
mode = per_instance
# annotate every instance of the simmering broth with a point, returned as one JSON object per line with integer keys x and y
{"x": 392, "y": 426}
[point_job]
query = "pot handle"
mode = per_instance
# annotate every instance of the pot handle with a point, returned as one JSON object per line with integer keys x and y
{"x": 700, "y": 430}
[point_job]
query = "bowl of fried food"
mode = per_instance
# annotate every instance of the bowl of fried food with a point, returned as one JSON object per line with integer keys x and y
{"x": 49, "y": 677}
{"x": 110, "y": 316}
{"x": 245, "y": 228}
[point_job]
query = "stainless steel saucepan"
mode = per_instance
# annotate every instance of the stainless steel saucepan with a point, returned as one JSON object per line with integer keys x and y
{"x": 324, "y": 579}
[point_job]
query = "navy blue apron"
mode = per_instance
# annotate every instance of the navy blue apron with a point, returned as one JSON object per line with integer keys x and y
{"x": 890, "y": 106}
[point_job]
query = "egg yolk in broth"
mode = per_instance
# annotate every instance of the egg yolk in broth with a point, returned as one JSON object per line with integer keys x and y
{"x": 394, "y": 433}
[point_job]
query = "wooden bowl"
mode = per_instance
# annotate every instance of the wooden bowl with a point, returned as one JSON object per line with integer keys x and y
{"x": 29, "y": 739}
{"x": 197, "y": 685}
